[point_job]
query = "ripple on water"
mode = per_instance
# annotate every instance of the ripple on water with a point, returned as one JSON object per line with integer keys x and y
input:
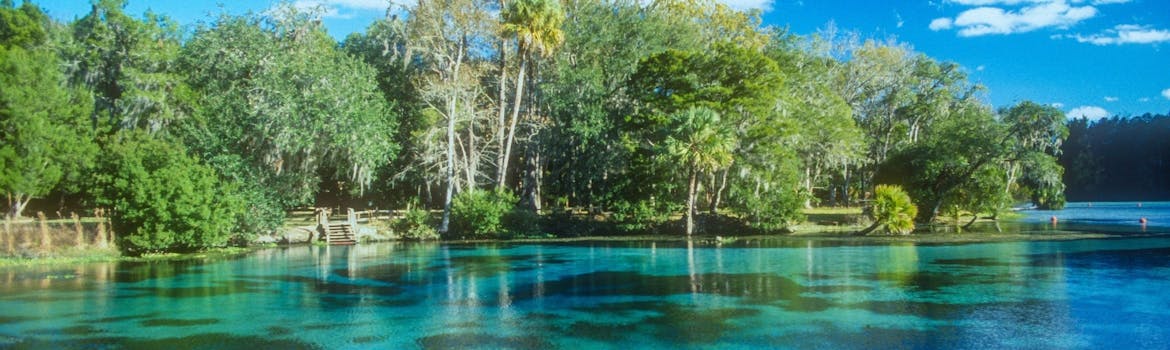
{"x": 483, "y": 341}
{"x": 218, "y": 341}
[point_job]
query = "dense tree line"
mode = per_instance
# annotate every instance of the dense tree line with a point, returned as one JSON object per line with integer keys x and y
{"x": 635, "y": 110}
{"x": 1118, "y": 159}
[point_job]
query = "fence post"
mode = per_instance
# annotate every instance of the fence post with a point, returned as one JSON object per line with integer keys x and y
{"x": 77, "y": 227}
{"x": 46, "y": 240}
{"x": 9, "y": 237}
{"x": 352, "y": 216}
{"x": 100, "y": 239}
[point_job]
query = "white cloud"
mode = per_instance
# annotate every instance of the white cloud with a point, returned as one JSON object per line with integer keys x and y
{"x": 981, "y": 21}
{"x": 740, "y": 5}
{"x": 1166, "y": 94}
{"x": 1126, "y": 34}
{"x": 1017, "y": 2}
{"x": 1144, "y": 99}
{"x": 1058, "y": 105}
{"x": 1091, "y": 112}
{"x": 341, "y": 8}
{"x": 980, "y": 68}
{"x": 941, "y": 24}
{"x": 1111, "y": 99}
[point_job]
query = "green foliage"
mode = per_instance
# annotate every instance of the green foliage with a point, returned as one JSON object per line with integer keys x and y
{"x": 1042, "y": 176}
{"x": 22, "y": 27}
{"x": 1038, "y": 134}
{"x": 416, "y": 225}
{"x": 642, "y": 216}
{"x": 983, "y": 193}
{"x": 163, "y": 200}
{"x": 480, "y": 214}
{"x": 276, "y": 93}
{"x": 129, "y": 65}
{"x": 893, "y": 211}
{"x": 933, "y": 169}
{"x": 698, "y": 141}
{"x": 768, "y": 200}
{"x": 523, "y": 223}
{"x": 43, "y": 133}
{"x": 536, "y": 24}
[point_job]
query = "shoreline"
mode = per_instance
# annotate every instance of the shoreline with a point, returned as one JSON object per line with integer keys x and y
{"x": 837, "y": 236}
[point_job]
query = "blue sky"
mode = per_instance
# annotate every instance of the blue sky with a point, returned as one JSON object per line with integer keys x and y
{"x": 1089, "y": 57}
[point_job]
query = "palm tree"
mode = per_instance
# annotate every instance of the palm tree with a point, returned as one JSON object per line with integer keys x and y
{"x": 536, "y": 24}
{"x": 893, "y": 211}
{"x": 700, "y": 144}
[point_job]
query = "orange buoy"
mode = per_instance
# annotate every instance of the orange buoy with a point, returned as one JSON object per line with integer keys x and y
{"x": 1142, "y": 220}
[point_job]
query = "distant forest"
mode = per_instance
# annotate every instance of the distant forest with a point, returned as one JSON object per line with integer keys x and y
{"x": 1118, "y": 159}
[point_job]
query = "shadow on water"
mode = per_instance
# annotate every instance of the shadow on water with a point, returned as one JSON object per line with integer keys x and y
{"x": 1136, "y": 260}
{"x": 482, "y": 341}
{"x": 199, "y": 341}
{"x": 759, "y": 288}
{"x": 669, "y": 322}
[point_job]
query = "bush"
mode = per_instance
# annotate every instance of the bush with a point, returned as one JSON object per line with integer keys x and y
{"x": 416, "y": 225}
{"x": 162, "y": 199}
{"x": 893, "y": 212}
{"x": 480, "y": 214}
{"x": 521, "y": 222}
{"x": 640, "y": 216}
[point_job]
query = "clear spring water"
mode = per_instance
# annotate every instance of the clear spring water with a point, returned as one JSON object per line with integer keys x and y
{"x": 1103, "y": 293}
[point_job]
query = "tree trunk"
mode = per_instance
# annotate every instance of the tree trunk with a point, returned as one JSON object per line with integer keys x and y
{"x": 450, "y": 168}
{"x": 691, "y": 202}
{"x": 16, "y": 205}
{"x": 719, "y": 192}
{"x": 530, "y": 193}
{"x": 501, "y": 112}
{"x": 451, "y": 110}
{"x": 808, "y": 187}
{"x": 974, "y": 217}
{"x": 504, "y": 157}
{"x": 472, "y": 157}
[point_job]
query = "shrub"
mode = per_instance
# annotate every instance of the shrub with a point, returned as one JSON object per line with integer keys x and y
{"x": 416, "y": 225}
{"x": 162, "y": 199}
{"x": 521, "y": 222}
{"x": 480, "y": 214}
{"x": 640, "y": 216}
{"x": 893, "y": 212}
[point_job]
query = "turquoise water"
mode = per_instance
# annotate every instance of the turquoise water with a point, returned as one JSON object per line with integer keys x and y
{"x": 1078, "y": 294}
{"x": 1102, "y": 293}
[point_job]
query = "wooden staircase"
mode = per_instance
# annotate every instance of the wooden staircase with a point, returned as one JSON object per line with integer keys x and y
{"x": 337, "y": 233}
{"x": 341, "y": 234}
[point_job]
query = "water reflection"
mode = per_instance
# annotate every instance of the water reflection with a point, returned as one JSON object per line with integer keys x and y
{"x": 756, "y": 293}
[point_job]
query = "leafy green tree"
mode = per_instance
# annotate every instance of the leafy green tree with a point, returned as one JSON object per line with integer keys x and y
{"x": 282, "y": 108}
{"x": 481, "y": 213}
{"x": 130, "y": 67}
{"x": 23, "y": 26}
{"x": 826, "y": 138}
{"x": 893, "y": 211}
{"x": 699, "y": 144}
{"x": 385, "y": 46}
{"x": 43, "y": 137}
{"x": 164, "y": 200}
{"x": 1038, "y": 133}
{"x": 947, "y": 161}
{"x": 447, "y": 36}
{"x": 583, "y": 87}
{"x": 536, "y": 24}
